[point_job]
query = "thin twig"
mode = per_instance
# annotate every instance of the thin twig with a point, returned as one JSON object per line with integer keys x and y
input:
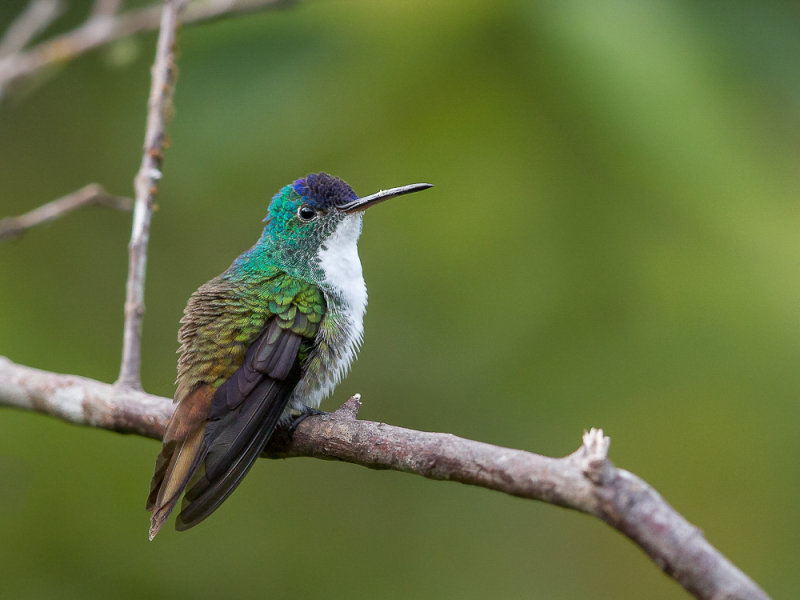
{"x": 104, "y": 8}
{"x": 585, "y": 480}
{"x": 37, "y": 17}
{"x": 103, "y": 29}
{"x": 11, "y": 227}
{"x": 159, "y": 111}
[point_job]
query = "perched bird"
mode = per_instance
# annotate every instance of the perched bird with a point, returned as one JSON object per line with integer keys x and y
{"x": 264, "y": 341}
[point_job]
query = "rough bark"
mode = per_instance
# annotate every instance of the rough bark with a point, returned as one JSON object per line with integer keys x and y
{"x": 586, "y": 480}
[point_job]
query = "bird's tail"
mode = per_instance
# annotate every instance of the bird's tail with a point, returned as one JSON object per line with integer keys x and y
{"x": 182, "y": 453}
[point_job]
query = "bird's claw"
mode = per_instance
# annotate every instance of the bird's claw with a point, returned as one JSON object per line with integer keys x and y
{"x": 306, "y": 412}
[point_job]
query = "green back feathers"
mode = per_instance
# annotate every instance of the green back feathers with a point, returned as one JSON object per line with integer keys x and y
{"x": 224, "y": 316}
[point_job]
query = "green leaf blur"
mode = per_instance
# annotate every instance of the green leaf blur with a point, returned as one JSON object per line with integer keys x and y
{"x": 612, "y": 241}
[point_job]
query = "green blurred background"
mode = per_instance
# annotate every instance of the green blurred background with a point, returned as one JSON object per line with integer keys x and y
{"x": 612, "y": 242}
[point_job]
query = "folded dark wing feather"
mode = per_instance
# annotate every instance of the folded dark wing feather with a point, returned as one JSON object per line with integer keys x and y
{"x": 231, "y": 455}
{"x": 244, "y": 412}
{"x": 239, "y": 418}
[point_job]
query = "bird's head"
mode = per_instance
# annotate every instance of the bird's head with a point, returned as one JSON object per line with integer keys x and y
{"x": 318, "y": 213}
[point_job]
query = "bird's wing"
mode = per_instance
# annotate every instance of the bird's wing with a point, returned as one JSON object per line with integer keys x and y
{"x": 244, "y": 412}
{"x": 217, "y": 432}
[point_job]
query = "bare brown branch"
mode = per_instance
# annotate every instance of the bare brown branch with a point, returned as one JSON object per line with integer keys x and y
{"x": 102, "y": 28}
{"x": 585, "y": 480}
{"x": 83, "y": 401}
{"x": 92, "y": 194}
{"x": 159, "y": 111}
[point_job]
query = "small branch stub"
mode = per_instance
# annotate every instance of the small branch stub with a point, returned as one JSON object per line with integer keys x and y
{"x": 593, "y": 455}
{"x": 349, "y": 410}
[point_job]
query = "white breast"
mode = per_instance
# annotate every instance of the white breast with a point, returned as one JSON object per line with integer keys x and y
{"x": 338, "y": 259}
{"x": 342, "y": 328}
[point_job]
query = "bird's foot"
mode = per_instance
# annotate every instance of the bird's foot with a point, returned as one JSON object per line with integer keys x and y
{"x": 304, "y": 413}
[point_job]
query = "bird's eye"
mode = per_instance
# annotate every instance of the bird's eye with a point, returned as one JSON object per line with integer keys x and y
{"x": 306, "y": 213}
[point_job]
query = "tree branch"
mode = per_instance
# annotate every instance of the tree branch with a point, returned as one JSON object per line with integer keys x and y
{"x": 31, "y": 22}
{"x": 104, "y": 8}
{"x": 102, "y": 28}
{"x": 159, "y": 111}
{"x": 12, "y": 227}
{"x": 585, "y": 480}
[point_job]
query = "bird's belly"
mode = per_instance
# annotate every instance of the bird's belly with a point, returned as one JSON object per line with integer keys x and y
{"x": 338, "y": 340}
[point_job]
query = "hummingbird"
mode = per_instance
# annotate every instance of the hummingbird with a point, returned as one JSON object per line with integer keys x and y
{"x": 263, "y": 343}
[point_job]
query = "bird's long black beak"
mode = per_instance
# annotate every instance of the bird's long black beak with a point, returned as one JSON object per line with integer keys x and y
{"x": 367, "y": 201}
